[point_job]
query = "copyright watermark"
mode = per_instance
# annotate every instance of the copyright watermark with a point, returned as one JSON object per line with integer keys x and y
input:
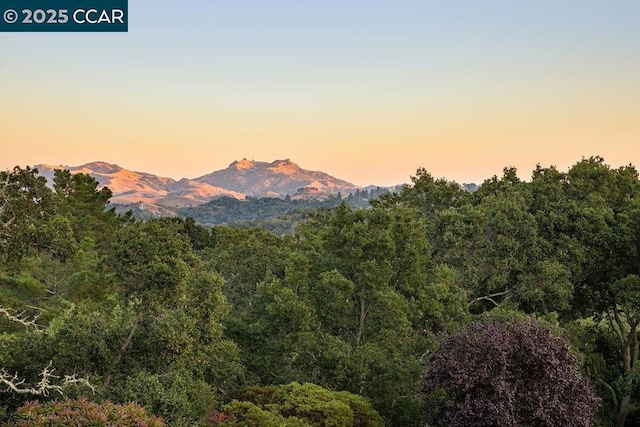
{"x": 10, "y": 16}
{"x": 64, "y": 15}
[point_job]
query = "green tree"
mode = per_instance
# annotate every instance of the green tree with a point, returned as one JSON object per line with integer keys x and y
{"x": 78, "y": 199}
{"x": 275, "y": 333}
{"x": 426, "y": 194}
{"x": 25, "y": 204}
{"x": 372, "y": 268}
{"x": 150, "y": 262}
{"x": 606, "y": 223}
{"x": 244, "y": 257}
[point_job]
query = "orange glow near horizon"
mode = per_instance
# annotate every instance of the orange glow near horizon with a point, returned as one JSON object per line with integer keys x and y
{"x": 379, "y": 144}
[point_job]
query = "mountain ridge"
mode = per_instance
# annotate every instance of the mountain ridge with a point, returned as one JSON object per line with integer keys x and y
{"x": 141, "y": 187}
{"x": 240, "y": 179}
{"x": 275, "y": 179}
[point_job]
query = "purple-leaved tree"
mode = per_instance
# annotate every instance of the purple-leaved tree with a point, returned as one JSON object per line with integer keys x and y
{"x": 512, "y": 373}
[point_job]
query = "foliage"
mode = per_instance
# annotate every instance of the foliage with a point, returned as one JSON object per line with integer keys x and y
{"x": 350, "y": 304}
{"x": 277, "y": 215}
{"x": 355, "y": 297}
{"x": 297, "y": 404}
{"x": 150, "y": 260}
{"x": 25, "y": 204}
{"x": 515, "y": 373}
{"x": 426, "y": 194}
{"x": 175, "y": 348}
{"x": 81, "y": 412}
{"x": 244, "y": 257}
{"x": 178, "y": 396}
{"x": 80, "y": 201}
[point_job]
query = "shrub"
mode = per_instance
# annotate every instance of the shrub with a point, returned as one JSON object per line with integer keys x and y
{"x": 297, "y": 404}
{"x": 81, "y": 412}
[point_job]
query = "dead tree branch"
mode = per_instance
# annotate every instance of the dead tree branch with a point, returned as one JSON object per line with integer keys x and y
{"x": 48, "y": 383}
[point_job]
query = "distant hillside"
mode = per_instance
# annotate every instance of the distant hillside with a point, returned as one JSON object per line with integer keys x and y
{"x": 276, "y": 179}
{"x": 279, "y": 194}
{"x": 278, "y": 215}
{"x": 140, "y": 187}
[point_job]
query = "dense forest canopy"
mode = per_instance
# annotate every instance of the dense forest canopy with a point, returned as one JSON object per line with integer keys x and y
{"x": 358, "y": 317}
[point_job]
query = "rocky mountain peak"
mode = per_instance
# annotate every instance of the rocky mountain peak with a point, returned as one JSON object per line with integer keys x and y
{"x": 102, "y": 167}
{"x": 278, "y": 178}
{"x": 242, "y": 164}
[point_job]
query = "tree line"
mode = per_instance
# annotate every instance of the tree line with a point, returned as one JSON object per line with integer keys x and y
{"x": 277, "y": 215}
{"x": 434, "y": 306}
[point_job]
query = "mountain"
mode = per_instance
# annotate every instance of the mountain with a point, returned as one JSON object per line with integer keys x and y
{"x": 275, "y": 179}
{"x": 148, "y": 195}
{"x": 139, "y": 187}
{"x": 220, "y": 197}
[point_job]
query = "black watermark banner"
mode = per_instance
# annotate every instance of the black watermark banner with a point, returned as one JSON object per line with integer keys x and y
{"x": 64, "y": 16}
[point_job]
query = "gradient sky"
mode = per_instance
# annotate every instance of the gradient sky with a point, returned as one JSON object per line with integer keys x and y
{"x": 367, "y": 91}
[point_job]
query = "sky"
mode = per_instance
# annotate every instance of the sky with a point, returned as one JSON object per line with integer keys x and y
{"x": 367, "y": 91}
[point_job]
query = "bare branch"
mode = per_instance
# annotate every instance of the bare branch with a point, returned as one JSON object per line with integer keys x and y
{"x": 48, "y": 381}
{"x": 488, "y": 298}
{"x": 5, "y": 201}
{"x": 22, "y": 318}
{"x": 47, "y": 384}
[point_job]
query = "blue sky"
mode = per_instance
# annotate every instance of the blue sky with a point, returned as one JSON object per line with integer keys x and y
{"x": 367, "y": 91}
